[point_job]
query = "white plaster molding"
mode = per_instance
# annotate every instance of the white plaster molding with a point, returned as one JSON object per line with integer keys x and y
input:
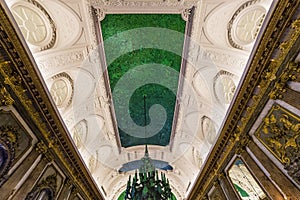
{"x": 128, "y": 6}
{"x": 37, "y": 26}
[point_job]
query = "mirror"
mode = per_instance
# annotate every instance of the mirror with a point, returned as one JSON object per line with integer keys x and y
{"x": 244, "y": 182}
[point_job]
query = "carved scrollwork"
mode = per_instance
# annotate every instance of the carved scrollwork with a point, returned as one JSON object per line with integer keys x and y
{"x": 282, "y": 84}
{"x": 280, "y": 133}
{"x": 208, "y": 128}
{"x": 45, "y": 189}
{"x": 5, "y": 98}
{"x": 186, "y": 14}
{"x": 42, "y": 148}
{"x": 100, "y": 14}
{"x": 92, "y": 163}
{"x": 243, "y": 142}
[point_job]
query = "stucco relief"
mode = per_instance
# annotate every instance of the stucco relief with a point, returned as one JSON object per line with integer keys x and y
{"x": 62, "y": 90}
{"x": 105, "y": 154}
{"x": 208, "y": 129}
{"x": 51, "y": 63}
{"x": 191, "y": 124}
{"x": 92, "y": 162}
{"x": 197, "y": 21}
{"x": 197, "y": 158}
{"x": 202, "y": 86}
{"x": 155, "y": 4}
{"x": 245, "y": 24}
{"x": 31, "y": 24}
{"x": 69, "y": 29}
{"x": 36, "y": 25}
{"x": 214, "y": 28}
{"x": 247, "y": 27}
{"x": 200, "y": 57}
{"x": 90, "y": 25}
{"x": 83, "y": 112}
{"x": 84, "y": 86}
{"x": 224, "y": 87}
{"x": 100, "y": 14}
{"x": 228, "y": 59}
{"x": 79, "y": 135}
{"x": 185, "y": 14}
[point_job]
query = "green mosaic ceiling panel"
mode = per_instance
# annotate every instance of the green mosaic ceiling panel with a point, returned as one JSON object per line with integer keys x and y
{"x": 131, "y": 56}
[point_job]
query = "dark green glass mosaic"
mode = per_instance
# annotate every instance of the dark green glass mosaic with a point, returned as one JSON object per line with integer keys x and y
{"x": 112, "y": 28}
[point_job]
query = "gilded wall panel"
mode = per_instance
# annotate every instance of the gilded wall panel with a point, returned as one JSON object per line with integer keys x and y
{"x": 216, "y": 194}
{"x": 23, "y": 142}
{"x": 48, "y": 185}
{"x": 15, "y": 141}
{"x": 279, "y": 133}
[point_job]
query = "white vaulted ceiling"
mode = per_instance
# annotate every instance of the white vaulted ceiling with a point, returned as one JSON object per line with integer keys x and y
{"x": 61, "y": 35}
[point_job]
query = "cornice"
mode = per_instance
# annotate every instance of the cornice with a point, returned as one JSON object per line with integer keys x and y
{"x": 263, "y": 72}
{"x": 144, "y": 6}
{"x": 21, "y": 75}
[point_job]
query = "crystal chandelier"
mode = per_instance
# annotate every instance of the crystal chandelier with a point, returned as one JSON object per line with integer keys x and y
{"x": 147, "y": 185}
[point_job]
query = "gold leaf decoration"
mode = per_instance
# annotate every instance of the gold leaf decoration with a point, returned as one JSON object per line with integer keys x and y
{"x": 279, "y": 132}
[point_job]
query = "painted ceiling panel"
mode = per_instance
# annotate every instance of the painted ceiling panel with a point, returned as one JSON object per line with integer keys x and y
{"x": 136, "y": 70}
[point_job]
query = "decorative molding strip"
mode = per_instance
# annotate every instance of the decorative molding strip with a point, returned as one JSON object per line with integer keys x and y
{"x": 127, "y": 6}
{"x": 49, "y": 63}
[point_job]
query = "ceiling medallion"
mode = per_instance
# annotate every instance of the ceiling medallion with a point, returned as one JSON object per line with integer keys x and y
{"x": 245, "y": 24}
{"x": 224, "y": 87}
{"x": 62, "y": 90}
{"x": 35, "y": 23}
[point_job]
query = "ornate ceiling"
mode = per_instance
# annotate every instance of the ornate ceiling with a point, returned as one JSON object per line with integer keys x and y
{"x": 65, "y": 42}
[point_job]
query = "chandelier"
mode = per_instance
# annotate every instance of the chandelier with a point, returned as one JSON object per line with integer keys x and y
{"x": 147, "y": 184}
